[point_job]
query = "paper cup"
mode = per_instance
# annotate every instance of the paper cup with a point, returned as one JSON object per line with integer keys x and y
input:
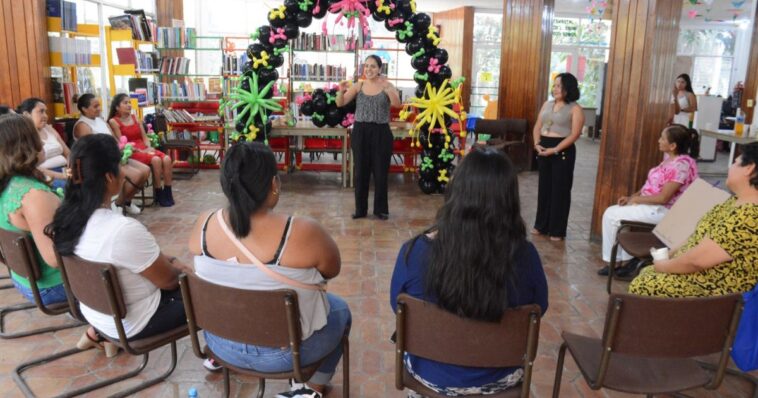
{"x": 660, "y": 254}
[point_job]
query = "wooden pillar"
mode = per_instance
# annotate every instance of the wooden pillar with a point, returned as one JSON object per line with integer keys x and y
{"x": 525, "y": 64}
{"x": 751, "y": 78}
{"x": 166, "y": 10}
{"x": 637, "y": 94}
{"x": 457, "y": 38}
{"x": 24, "y": 57}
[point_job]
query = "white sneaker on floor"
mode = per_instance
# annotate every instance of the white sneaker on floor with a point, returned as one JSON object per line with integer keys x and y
{"x": 211, "y": 365}
{"x": 133, "y": 209}
{"x": 303, "y": 392}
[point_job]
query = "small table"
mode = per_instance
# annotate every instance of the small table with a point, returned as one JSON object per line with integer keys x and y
{"x": 728, "y": 135}
{"x": 307, "y": 129}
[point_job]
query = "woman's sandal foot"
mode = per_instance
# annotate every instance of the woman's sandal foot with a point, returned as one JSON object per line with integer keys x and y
{"x": 86, "y": 342}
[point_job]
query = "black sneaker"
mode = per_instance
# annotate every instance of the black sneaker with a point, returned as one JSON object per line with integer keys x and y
{"x": 302, "y": 392}
{"x": 604, "y": 271}
{"x": 629, "y": 270}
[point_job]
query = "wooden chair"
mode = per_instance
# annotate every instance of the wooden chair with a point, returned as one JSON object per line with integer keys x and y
{"x": 18, "y": 254}
{"x": 96, "y": 285}
{"x": 425, "y": 330}
{"x": 636, "y": 238}
{"x": 505, "y": 135}
{"x": 264, "y": 318}
{"x": 649, "y": 344}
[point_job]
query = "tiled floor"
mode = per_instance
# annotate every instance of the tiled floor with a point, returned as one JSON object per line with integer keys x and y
{"x": 369, "y": 248}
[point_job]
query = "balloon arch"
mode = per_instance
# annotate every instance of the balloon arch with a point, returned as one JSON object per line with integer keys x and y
{"x": 433, "y": 104}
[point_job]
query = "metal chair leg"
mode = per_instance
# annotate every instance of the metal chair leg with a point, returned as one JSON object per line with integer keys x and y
{"x": 28, "y": 306}
{"x": 151, "y": 382}
{"x": 345, "y": 367}
{"x": 226, "y": 382}
{"x": 559, "y": 371}
{"x": 736, "y": 373}
{"x": 19, "y": 380}
{"x": 261, "y": 387}
{"x": 8, "y": 286}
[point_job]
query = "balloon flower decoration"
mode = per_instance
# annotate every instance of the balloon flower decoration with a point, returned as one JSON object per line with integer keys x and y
{"x": 127, "y": 149}
{"x": 435, "y": 94}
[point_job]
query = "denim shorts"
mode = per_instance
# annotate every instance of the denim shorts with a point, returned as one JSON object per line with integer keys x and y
{"x": 50, "y": 295}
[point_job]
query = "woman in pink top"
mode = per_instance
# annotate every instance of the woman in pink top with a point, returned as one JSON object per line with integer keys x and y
{"x": 665, "y": 184}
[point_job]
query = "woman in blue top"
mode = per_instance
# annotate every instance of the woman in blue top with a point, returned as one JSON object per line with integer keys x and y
{"x": 27, "y": 204}
{"x": 475, "y": 262}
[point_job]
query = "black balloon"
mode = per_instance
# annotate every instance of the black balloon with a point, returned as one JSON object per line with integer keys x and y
{"x": 291, "y": 30}
{"x": 275, "y": 60}
{"x": 428, "y": 186}
{"x": 275, "y": 21}
{"x": 437, "y": 78}
{"x": 304, "y": 19}
{"x": 421, "y": 78}
{"x": 420, "y": 90}
{"x": 318, "y": 121}
{"x": 307, "y": 108}
{"x": 323, "y": 7}
{"x": 319, "y": 104}
{"x": 437, "y": 140}
{"x": 349, "y": 107}
{"x": 421, "y": 63}
{"x": 256, "y": 49}
{"x": 415, "y": 44}
{"x": 402, "y": 37}
{"x": 264, "y": 33}
{"x": 240, "y": 126}
{"x": 266, "y": 75}
{"x": 292, "y": 5}
{"x": 421, "y": 23}
{"x": 405, "y": 7}
{"x": 394, "y": 17}
{"x": 442, "y": 187}
{"x": 441, "y": 55}
{"x": 334, "y": 116}
{"x": 428, "y": 174}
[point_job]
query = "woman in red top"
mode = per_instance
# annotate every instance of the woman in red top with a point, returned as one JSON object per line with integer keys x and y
{"x": 122, "y": 122}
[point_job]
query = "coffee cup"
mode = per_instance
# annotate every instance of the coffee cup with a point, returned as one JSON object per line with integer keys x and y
{"x": 660, "y": 254}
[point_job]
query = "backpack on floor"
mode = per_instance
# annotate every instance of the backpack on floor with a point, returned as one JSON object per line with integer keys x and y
{"x": 745, "y": 347}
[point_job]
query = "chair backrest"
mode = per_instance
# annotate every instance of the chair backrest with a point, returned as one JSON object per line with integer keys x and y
{"x": 506, "y": 129}
{"x": 671, "y": 327}
{"x": 95, "y": 285}
{"x": 18, "y": 254}
{"x": 426, "y": 330}
{"x": 267, "y": 318}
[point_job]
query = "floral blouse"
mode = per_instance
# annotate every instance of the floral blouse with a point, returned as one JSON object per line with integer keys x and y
{"x": 681, "y": 169}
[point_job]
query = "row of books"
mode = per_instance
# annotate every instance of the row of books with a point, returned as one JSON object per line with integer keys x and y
{"x": 144, "y": 91}
{"x": 66, "y": 11}
{"x": 322, "y": 42}
{"x": 233, "y": 64}
{"x": 63, "y": 93}
{"x": 135, "y": 20}
{"x": 143, "y": 61}
{"x": 73, "y": 51}
{"x": 175, "y": 65}
{"x": 319, "y": 72}
{"x": 182, "y": 116}
{"x": 176, "y": 38}
{"x": 186, "y": 90}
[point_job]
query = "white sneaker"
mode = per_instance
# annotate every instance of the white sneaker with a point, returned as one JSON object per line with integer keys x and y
{"x": 211, "y": 365}
{"x": 303, "y": 392}
{"x": 133, "y": 209}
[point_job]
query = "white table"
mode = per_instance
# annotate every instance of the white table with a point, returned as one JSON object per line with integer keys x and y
{"x": 728, "y": 135}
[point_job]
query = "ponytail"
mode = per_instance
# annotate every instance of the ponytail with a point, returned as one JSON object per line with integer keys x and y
{"x": 687, "y": 140}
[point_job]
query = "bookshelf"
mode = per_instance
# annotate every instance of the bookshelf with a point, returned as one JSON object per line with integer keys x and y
{"x": 134, "y": 61}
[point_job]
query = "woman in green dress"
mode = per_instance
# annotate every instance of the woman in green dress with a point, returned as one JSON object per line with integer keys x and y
{"x": 27, "y": 204}
{"x": 721, "y": 256}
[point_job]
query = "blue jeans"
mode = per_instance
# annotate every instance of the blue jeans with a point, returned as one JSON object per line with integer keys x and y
{"x": 56, "y": 182}
{"x": 50, "y": 295}
{"x": 326, "y": 342}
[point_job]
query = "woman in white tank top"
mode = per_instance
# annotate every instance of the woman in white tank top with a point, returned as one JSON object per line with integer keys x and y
{"x": 683, "y": 102}
{"x": 54, "y": 150}
{"x": 90, "y": 122}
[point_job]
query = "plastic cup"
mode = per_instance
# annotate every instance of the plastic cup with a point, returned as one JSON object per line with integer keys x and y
{"x": 660, "y": 254}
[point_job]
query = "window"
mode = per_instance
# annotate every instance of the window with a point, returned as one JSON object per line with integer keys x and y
{"x": 485, "y": 75}
{"x": 708, "y": 55}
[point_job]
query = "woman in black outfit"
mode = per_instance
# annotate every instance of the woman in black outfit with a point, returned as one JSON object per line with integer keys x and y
{"x": 371, "y": 139}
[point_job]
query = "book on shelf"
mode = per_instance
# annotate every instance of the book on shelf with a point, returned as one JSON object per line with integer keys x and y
{"x": 68, "y": 16}
{"x": 186, "y": 90}
{"x": 233, "y": 64}
{"x": 142, "y": 28}
{"x": 319, "y": 72}
{"x": 176, "y": 37}
{"x": 143, "y": 61}
{"x": 214, "y": 85}
{"x": 63, "y": 93}
{"x": 174, "y": 65}
{"x": 54, "y": 8}
{"x": 73, "y": 51}
{"x": 122, "y": 22}
{"x": 322, "y": 42}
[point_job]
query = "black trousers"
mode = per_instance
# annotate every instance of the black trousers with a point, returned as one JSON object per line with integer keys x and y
{"x": 169, "y": 315}
{"x": 372, "y": 151}
{"x": 554, "y": 189}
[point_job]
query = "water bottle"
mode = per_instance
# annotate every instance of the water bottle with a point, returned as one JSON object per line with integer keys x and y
{"x": 739, "y": 123}
{"x": 192, "y": 393}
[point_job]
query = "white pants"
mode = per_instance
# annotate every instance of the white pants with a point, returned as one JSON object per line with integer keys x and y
{"x": 652, "y": 214}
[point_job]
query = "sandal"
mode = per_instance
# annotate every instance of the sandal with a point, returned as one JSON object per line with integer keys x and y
{"x": 86, "y": 342}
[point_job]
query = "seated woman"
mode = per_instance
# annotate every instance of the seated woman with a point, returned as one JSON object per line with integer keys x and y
{"x": 297, "y": 249}
{"x": 27, "y": 204}
{"x": 721, "y": 256}
{"x": 665, "y": 184}
{"x": 478, "y": 246}
{"x": 136, "y": 173}
{"x": 55, "y": 151}
{"x": 122, "y": 122}
{"x": 84, "y": 225}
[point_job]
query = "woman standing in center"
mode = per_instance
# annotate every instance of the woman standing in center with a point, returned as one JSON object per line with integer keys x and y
{"x": 558, "y": 126}
{"x": 371, "y": 139}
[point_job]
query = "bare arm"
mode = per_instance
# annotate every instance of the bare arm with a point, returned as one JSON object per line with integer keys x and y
{"x": 164, "y": 272}
{"x": 116, "y": 130}
{"x": 667, "y": 192}
{"x": 63, "y": 145}
{"x": 536, "y": 132}
{"x": 322, "y": 247}
{"x": 707, "y": 254}
{"x": 82, "y": 129}
{"x": 692, "y": 100}
{"x": 38, "y": 208}
{"x": 347, "y": 95}
{"x": 392, "y": 93}
{"x": 577, "y": 121}
{"x": 144, "y": 136}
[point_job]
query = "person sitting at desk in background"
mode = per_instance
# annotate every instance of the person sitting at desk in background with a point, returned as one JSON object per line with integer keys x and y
{"x": 721, "y": 256}
{"x": 475, "y": 262}
{"x": 665, "y": 184}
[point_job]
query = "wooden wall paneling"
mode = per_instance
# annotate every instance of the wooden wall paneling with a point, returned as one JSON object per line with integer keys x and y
{"x": 11, "y": 47}
{"x": 41, "y": 68}
{"x": 751, "y": 78}
{"x": 457, "y": 38}
{"x": 525, "y": 63}
{"x": 5, "y": 82}
{"x": 640, "y": 76}
{"x": 167, "y": 10}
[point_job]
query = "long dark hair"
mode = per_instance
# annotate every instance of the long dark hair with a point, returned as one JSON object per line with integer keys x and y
{"x": 479, "y": 233}
{"x": 114, "y": 105}
{"x": 28, "y": 105}
{"x": 92, "y": 157}
{"x": 687, "y": 140}
{"x": 19, "y": 146}
{"x": 687, "y": 81}
{"x": 246, "y": 176}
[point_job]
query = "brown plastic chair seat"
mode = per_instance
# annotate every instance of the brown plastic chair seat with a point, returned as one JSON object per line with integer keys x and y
{"x": 638, "y": 244}
{"x": 152, "y": 342}
{"x": 410, "y": 382}
{"x": 308, "y": 371}
{"x": 636, "y": 375}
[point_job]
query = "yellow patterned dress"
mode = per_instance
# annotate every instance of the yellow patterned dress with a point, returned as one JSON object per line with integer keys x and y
{"x": 735, "y": 229}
